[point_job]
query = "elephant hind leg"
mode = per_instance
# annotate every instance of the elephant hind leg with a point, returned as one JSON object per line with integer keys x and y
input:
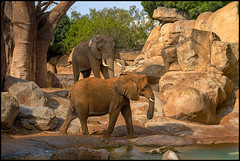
{"x": 86, "y": 74}
{"x": 70, "y": 115}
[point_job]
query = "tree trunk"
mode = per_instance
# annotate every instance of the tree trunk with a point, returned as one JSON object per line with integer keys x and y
{"x": 8, "y": 34}
{"x": 32, "y": 35}
{"x": 46, "y": 27}
{"x": 3, "y": 54}
{"x": 24, "y": 20}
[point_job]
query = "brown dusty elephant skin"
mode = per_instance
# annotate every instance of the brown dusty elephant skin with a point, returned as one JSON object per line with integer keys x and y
{"x": 97, "y": 54}
{"x": 94, "y": 97}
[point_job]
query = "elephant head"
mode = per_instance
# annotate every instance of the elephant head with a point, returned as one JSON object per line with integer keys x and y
{"x": 102, "y": 48}
{"x": 133, "y": 86}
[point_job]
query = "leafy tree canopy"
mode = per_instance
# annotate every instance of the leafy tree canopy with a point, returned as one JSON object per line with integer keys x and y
{"x": 193, "y": 8}
{"x": 126, "y": 27}
{"x": 55, "y": 47}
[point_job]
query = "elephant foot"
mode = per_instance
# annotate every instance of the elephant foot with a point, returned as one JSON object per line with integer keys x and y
{"x": 106, "y": 136}
{"x": 63, "y": 132}
{"x": 105, "y": 139}
{"x": 86, "y": 134}
{"x": 131, "y": 136}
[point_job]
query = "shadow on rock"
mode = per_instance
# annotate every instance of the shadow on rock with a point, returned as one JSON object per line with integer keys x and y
{"x": 122, "y": 131}
{"x": 171, "y": 129}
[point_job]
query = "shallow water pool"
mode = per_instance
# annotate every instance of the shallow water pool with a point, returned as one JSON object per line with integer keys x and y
{"x": 191, "y": 152}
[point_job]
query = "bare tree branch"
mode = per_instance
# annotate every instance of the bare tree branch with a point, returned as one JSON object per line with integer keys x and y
{"x": 44, "y": 3}
{"x": 48, "y": 3}
{"x": 38, "y": 9}
{"x": 55, "y": 3}
{"x": 58, "y": 11}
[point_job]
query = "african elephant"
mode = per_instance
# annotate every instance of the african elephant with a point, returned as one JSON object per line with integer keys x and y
{"x": 95, "y": 97}
{"x": 97, "y": 54}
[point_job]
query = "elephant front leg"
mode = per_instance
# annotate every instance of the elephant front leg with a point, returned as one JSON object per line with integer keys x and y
{"x": 112, "y": 121}
{"x": 86, "y": 74}
{"x": 126, "y": 112}
{"x": 104, "y": 71}
{"x": 95, "y": 65}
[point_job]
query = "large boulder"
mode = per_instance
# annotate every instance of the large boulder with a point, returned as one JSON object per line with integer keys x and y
{"x": 62, "y": 80}
{"x": 232, "y": 119}
{"x": 216, "y": 89}
{"x": 169, "y": 55}
{"x": 63, "y": 66}
{"x": 153, "y": 68}
{"x": 127, "y": 55}
{"x": 42, "y": 118}
{"x": 169, "y": 14}
{"x": 225, "y": 23}
{"x": 190, "y": 104}
{"x": 27, "y": 93}
{"x": 194, "y": 49}
{"x": 179, "y": 26}
{"x": 151, "y": 40}
{"x": 225, "y": 58}
{"x": 9, "y": 110}
{"x": 201, "y": 21}
{"x": 59, "y": 103}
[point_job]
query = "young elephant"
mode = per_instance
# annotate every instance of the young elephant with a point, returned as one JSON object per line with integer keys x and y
{"x": 95, "y": 97}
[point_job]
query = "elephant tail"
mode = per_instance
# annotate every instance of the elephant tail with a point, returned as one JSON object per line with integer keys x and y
{"x": 71, "y": 100}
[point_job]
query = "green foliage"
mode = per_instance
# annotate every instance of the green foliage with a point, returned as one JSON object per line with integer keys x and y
{"x": 193, "y": 8}
{"x": 124, "y": 26}
{"x": 56, "y": 47}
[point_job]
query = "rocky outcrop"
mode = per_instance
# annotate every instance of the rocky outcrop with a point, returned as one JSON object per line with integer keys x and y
{"x": 62, "y": 80}
{"x": 201, "y": 21}
{"x": 190, "y": 104}
{"x": 9, "y": 110}
{"x": 153, "y": 68}
{"x": 197, "y": 54}
{"x": 151, "y": 41}
{"x": 169, "y": 14}
{"x": 225, "y": 58}
{"x": 42, "y": 118}
{"x": 225, "y": 23}
{"x": 26, "y": 93}
{"x": 194, "y": 49}
{"x": 232, "y": 119}
{"x": 211, "y": 87}
{"x": 182, "y": 25}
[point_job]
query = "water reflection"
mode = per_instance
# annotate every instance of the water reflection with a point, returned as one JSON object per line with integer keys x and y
{"x": 192, "y": 152}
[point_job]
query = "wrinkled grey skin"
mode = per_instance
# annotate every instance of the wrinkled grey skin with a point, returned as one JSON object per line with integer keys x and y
{"x": 97, "y": 54}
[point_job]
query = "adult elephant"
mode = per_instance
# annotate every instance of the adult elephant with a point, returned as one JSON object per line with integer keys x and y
{"x": 96, "y": 97}
{"x": 97, "y": 54}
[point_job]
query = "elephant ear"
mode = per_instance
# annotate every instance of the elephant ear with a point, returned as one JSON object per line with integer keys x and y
{"x": 127, "y": 86}
{"x": 95, "y": 45}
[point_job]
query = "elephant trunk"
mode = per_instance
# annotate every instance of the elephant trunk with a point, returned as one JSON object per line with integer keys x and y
{"x": 110, "y": 63}
{"x": 151, "y": 108}
{"x": 148, "y": 93}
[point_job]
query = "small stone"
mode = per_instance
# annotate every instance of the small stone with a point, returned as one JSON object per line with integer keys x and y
{"x": 170, "y": 155}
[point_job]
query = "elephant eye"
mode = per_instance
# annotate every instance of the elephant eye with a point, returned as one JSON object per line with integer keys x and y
{"x": 144, "y": 87}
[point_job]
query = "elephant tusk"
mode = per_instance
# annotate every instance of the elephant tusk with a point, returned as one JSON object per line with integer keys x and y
{"x": 119, "y": 64}
{"x": 104, "y": 64}
{"x": 151, "y": 99}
